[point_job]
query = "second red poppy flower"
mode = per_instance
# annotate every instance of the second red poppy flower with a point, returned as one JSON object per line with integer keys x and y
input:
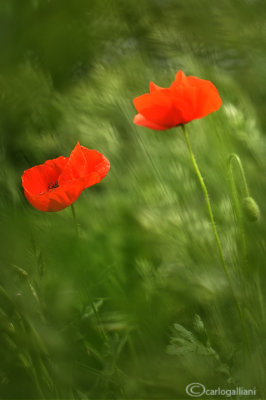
{"x": 58, "y": 183}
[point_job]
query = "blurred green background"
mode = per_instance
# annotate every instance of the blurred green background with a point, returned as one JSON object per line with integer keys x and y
{"x": 138, "y": 306}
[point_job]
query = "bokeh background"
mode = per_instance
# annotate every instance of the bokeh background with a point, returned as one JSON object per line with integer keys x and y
{"x": 138, "y": 306}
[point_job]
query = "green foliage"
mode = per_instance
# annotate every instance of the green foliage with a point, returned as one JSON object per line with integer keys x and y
{"x": 184, "y": 343}
{"x": 110, "y": 315}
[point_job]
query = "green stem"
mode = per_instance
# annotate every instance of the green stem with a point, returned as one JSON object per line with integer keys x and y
{"x": 208, "y": 203}
{"x": 235, "y": 157}
{"x": 75, "y": 219}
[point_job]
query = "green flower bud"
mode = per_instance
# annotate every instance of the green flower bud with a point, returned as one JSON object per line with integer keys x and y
{"x": 250, "y": 209}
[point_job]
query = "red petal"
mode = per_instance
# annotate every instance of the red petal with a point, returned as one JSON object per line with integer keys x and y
{"x": 180, "y": 79}
{"x": 75, "y": 166}
{"x": 156, "y": 107}
{"x": 97, "y": 166}
{"x": 154, "y": 87}
{"x": 184, "y": 99}
{"x": 56, "y": 199}
{"x": 142, "y": 121}
{"x": 90, "y": 166}
{"x": 208, "y": 99}
{"x": 36, "y": 179}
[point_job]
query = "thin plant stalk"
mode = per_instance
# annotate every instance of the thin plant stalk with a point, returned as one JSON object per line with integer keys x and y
{"x": 234, "y": 157}
{"x": 211, "y": 217}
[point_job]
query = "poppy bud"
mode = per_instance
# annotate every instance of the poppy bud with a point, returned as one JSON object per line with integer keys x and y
{"x": 250, "y": 209}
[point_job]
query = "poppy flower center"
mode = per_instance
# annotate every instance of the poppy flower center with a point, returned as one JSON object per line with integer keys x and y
{"x": 53, "y": 185}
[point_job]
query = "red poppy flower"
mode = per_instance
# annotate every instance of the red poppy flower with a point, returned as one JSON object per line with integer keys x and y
{"x": 57, "y": 183}
{"x": 186, "y": 99}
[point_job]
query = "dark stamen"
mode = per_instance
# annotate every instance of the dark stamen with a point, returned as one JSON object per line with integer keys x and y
{"x": 53, "y": 185}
